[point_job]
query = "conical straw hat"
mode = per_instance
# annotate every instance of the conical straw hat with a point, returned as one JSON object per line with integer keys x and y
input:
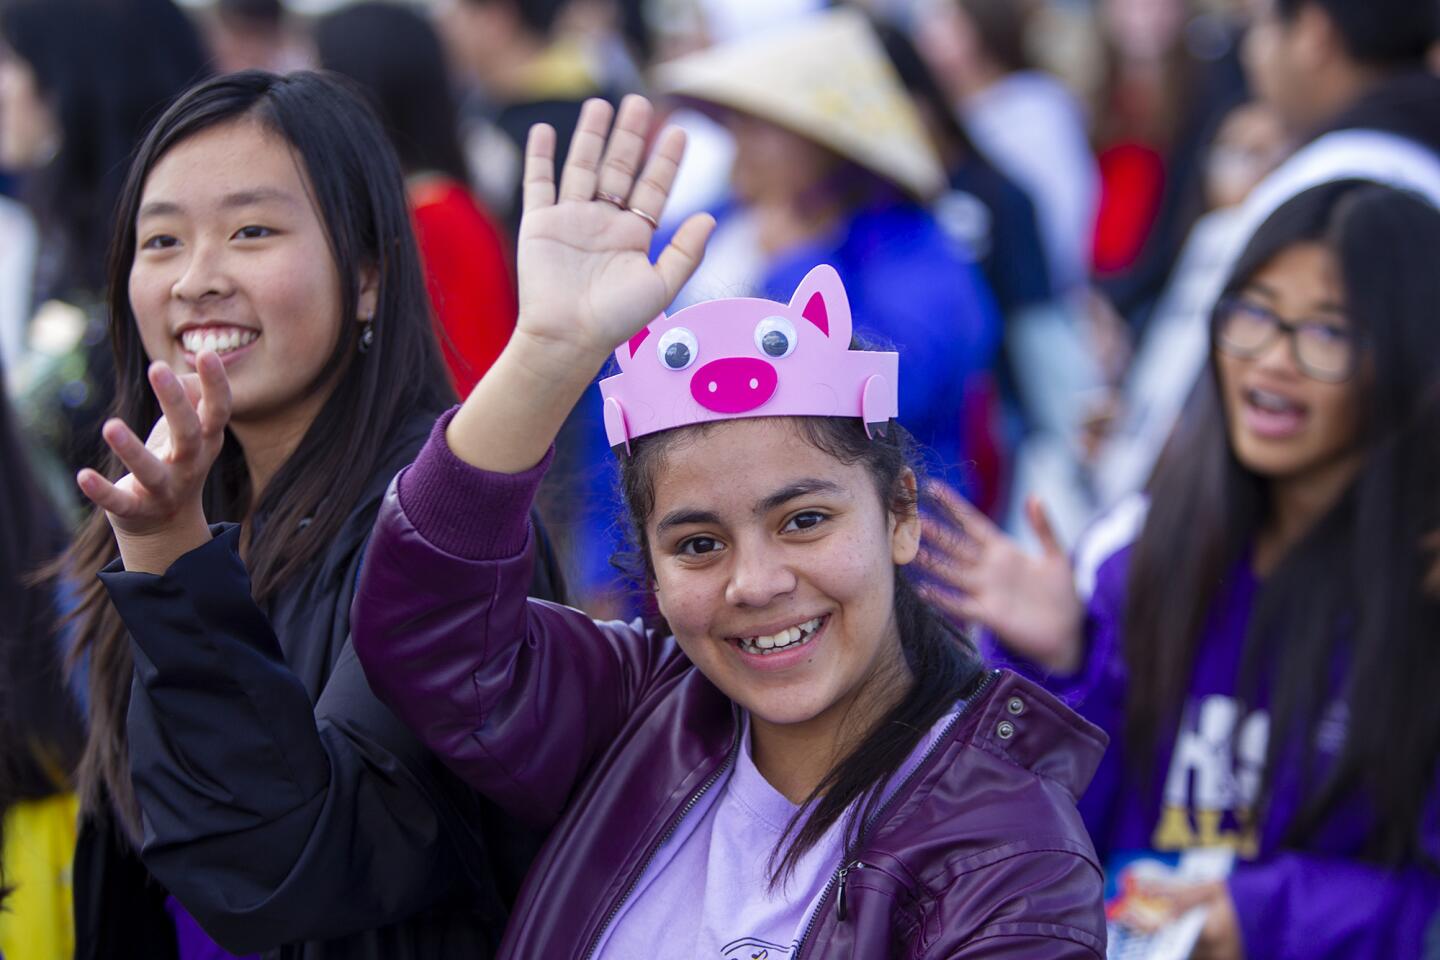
{"x": 825, "y": 77}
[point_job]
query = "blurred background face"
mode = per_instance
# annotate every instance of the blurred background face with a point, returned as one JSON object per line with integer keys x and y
{"x": 1143, "y": 30}
{"x": 474, "y": 32}
{"x": 1284, "y": 424}
{"x": 773, "y": 165}
{"x": 1276, "y": 63}
{"x": 29, "y": 133}
{"x": 1250, "y": 143}
{"x": 948, "y": 40}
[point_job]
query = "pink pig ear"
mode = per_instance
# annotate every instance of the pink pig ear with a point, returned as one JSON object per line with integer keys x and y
{"x": 626, "y": 352}
{"x": 821, "y": 299}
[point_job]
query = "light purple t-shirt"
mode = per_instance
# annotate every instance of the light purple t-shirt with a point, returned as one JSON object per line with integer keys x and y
{"x": 707, "y": 893}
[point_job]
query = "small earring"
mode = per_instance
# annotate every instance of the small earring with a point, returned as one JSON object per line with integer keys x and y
{"x": 367, "y": 334}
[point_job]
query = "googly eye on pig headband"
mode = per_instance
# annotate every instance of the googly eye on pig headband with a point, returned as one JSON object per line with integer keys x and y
{"x": 747, "y": 357}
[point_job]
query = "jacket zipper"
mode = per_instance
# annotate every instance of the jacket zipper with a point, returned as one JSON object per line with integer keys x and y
{"x": 849, "y": 864}
{"x": 840, "y": 910}
{"x": 664, "y": 838}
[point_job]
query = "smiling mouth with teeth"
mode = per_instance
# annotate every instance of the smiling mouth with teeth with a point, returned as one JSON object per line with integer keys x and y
{"x": 220, "y": 340}
{"x": 796, "y": 636}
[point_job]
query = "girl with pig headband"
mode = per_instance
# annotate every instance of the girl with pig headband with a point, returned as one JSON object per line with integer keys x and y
{"x": 806, "y": 761}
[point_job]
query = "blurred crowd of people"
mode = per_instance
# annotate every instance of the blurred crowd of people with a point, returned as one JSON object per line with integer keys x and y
{"x": 1039, "y": 203}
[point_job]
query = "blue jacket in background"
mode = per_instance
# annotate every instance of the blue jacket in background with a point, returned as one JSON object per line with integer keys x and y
{"x": 913, "y": 287}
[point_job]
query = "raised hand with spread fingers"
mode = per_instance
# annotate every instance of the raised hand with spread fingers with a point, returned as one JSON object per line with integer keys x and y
{"x": 155, "y": 509}
{"x": 976, "y": 573}
{"x": 586, "y": 280}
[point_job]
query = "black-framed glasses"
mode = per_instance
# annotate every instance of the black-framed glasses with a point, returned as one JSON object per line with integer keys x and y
{"x": 1321, "y": 350}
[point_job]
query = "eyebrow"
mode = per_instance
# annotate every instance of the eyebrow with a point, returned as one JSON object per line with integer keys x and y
{"x": 1326, "y": 307}
{"x": 231, "y": 201}
{"x": 800, "y": 488}
{"x": 685, "y": 516}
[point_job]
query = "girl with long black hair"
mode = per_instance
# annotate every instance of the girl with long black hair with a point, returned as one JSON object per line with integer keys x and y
{"x": 1258, "y": 632}
{"x": 263, "y": 237}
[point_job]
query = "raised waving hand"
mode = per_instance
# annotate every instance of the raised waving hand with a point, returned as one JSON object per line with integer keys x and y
{"x": 584, "y": 249}
{"x": 155, "y": 509}
{"x": 976, "y": 573}
{"x": 586, "y": 280}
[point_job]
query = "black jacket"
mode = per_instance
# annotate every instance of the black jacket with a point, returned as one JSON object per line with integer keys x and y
{"x": 283, "y": 804}
{"x": 1406, "y": 104}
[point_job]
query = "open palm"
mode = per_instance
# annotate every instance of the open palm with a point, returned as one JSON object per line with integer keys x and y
{"x": 586, "y": 279}
{"x": 978, "y": 574}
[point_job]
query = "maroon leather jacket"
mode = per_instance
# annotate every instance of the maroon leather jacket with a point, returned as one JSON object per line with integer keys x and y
{"x": 606, "y": 736}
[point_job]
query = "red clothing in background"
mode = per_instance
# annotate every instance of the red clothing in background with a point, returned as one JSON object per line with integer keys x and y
{"x": 1132, "y": 190}
{"x": 468, "y": 275}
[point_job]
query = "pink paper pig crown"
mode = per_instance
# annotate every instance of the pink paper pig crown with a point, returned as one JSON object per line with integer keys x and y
{"x": 746, "y": 357}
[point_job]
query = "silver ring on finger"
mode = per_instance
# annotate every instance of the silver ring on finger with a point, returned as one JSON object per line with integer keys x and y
{"x": 654, "y": 224}
{"x": 610, "y": 198}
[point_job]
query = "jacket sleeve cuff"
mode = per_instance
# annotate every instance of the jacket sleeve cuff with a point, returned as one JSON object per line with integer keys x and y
{"x": 224, "y": 539}
{"x": 467, "y": 512}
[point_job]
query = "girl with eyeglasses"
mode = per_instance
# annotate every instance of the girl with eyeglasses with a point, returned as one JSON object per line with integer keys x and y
{"x": 1258, "y": 632}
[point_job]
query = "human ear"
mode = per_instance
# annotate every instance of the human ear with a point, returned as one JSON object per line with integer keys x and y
{"x": 905, "y": 522}
{"x": 660, "y": 597}
{"x": 652, "y": 578}
{"x": 369, "y": 298}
